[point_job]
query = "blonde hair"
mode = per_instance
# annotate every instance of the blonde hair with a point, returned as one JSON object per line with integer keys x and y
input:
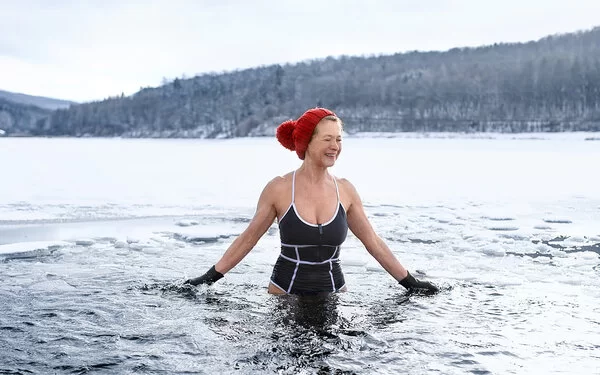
{"x": 329, "y": 118}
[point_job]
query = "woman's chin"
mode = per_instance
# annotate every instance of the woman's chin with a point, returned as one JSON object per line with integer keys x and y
{"x": 329, "y": 162}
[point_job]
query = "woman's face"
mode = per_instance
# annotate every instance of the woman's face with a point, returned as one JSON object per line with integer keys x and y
{"x": 326, "y": 143}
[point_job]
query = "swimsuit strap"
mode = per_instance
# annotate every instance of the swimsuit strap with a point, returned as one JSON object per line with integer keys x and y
{"x": 293, "y": 185}
{"x": 337, "y": 190}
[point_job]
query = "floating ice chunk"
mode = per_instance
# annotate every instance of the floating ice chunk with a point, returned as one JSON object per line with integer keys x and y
{"x": 574, "y": 241}
{"x": 105, "y": 239}
{"x": 544, "y": 237}
{"x": 120, "y": 244}
{"x": 557, "y": 220}
{"x": 203, "y": 234}
{"x": 493, "y": 250}
{"x": 542, "y": 260}
{"x": 589, "y": 255}
{"x": 461, "y": 249}
{"x": 187, "y": 223}
{"x": 85, "y": 242}
{"x": 153, "y": 250}
{"x": 543, "y": 248}
{"x": 138, "y": 246}
{"x": 567, "y": 280}
{"x": 197, "y": 238}
{"x": 444, "y": 218}
{"x": 503, "y": 228}
{"x": 31, "y": 248}
{"x": 499, "y": 217}
{"x": 514, "y": 237}
{"x": 558, "y": 253}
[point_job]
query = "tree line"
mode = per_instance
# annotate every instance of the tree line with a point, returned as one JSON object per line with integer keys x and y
{"x": 552, "y": 84}
{"x": 20, "y": 119}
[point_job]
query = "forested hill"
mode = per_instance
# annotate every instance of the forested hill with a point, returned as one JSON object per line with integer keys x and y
{"x": 20, "y": 119}
{"x": 548, "y": 85}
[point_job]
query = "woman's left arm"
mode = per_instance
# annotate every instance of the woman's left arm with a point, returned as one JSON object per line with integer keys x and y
{"x": 359, "y": 224}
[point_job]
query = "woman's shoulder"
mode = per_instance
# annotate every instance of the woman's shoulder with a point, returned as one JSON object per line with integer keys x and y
{"x": 346, "y": 186}
{"x": 344, "y": 182}
{"x": 279, "y": 183}
{"x": 348, "y": 194}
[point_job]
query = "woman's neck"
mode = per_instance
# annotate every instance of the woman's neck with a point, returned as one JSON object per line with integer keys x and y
{"x": 313, "y": 173}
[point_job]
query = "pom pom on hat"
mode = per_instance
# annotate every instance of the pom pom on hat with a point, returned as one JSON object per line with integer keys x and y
{"x": 284, "y": 134}
{"x": 295, "y": 135}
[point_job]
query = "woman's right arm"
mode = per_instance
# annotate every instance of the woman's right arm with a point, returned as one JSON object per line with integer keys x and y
{"x": 264, "y": 216}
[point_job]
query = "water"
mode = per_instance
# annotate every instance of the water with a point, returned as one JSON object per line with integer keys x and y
{"x": 97, "y": 235}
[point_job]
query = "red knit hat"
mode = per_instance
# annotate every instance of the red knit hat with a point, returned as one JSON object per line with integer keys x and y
{"x": 296, "y": 134}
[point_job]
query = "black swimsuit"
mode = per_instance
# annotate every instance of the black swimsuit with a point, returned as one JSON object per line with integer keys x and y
{"x": 309, "y": 260}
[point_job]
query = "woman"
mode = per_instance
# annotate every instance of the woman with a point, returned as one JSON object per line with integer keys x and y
{"x": 314, "y": 210}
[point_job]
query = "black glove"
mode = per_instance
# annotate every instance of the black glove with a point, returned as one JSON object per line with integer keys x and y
{"x": 417, "y": 286}
{"x": 208, "y": 278}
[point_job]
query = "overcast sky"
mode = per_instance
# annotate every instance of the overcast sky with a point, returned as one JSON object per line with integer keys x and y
{"x": 89, "y": 50}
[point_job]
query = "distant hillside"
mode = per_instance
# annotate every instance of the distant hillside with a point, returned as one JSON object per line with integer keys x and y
{"x": 38, "y": 101}
{"x": 20, "y": 119}
{"x": 548, "y": 85}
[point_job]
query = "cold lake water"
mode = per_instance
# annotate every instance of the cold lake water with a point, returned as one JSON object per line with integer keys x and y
{"x": 98, "y": 235}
